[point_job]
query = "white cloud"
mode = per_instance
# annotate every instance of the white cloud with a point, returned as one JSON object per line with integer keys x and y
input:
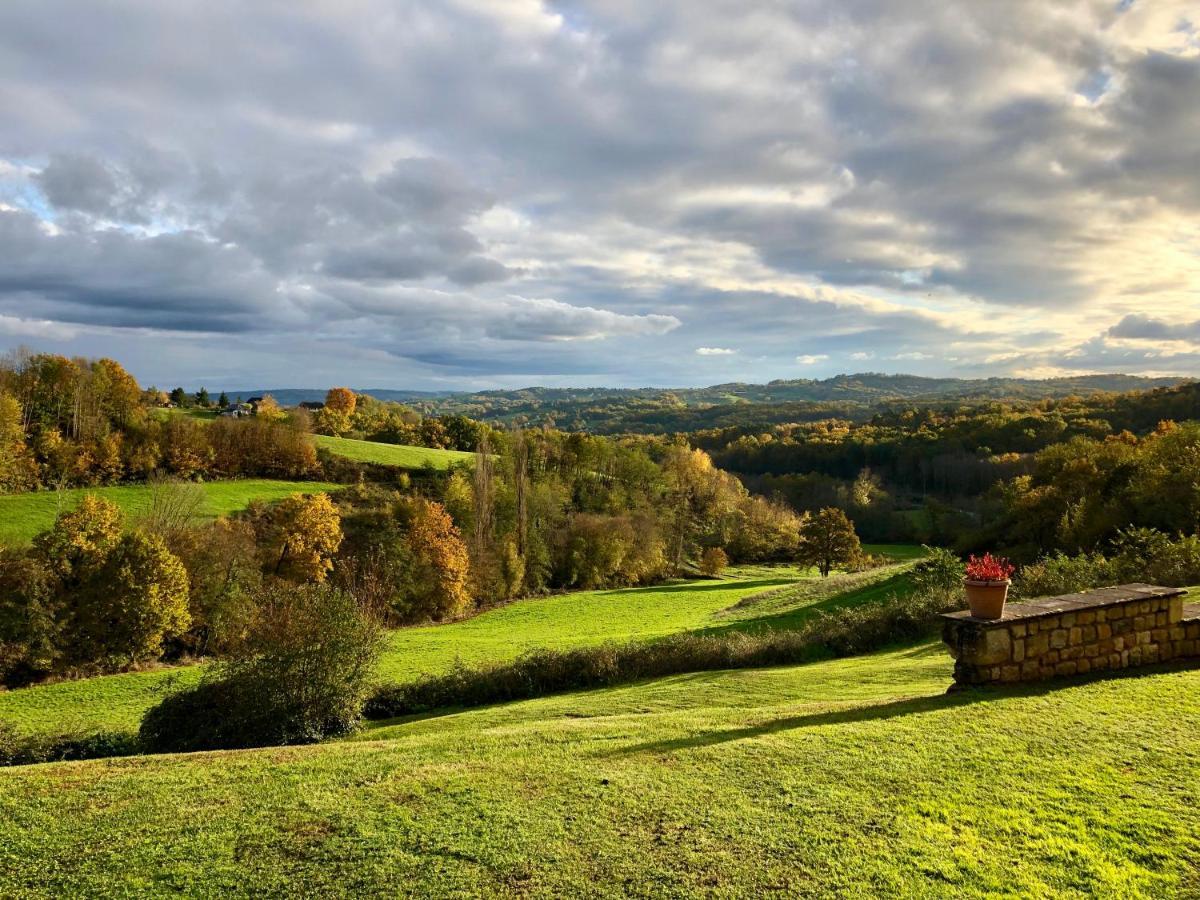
{"x": 486, "y": 189}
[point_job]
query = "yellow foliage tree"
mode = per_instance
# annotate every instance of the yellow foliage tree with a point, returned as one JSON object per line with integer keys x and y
{"x": 306, "y": 532}
{"x": 441, "y": 567}
{"x": 80, "y": 539}
{"x": 18, "y": 470}
{"x": 131, "y": 603}
{"x": 269, "y": 410}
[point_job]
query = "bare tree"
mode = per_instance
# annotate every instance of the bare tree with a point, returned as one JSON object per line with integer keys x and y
{"x": 174, "y": 506}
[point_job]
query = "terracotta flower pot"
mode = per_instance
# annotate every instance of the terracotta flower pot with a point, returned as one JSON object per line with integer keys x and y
{"x": 986, "y": 598}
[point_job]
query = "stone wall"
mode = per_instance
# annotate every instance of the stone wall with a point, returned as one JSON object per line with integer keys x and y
{"x": 1109, "y": 628}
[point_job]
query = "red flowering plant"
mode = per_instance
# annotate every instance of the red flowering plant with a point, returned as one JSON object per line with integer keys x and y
{"x": 989, "y": 568}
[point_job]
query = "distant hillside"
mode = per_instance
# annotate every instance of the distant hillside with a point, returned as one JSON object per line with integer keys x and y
{"x": 682, "y": 409}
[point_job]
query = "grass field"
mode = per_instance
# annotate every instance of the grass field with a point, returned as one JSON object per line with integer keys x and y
{"x": 852, "y": 778}
{"x": 24, "y": 515}
{"x": 398, "y": 455}
{"x": 561, "y": 621}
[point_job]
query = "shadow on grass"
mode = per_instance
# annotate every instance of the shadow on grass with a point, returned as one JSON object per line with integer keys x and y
{"x": 690, "y": 587}
{"x": 790, "y": 619}
{"x": 905, "y": 707}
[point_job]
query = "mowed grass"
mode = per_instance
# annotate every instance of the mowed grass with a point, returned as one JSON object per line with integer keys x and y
{"x": 398, "y": 455}
{"x": 850, "y": 778}
{"x": 560, "y": 621}
{"x": 22, "y": 516}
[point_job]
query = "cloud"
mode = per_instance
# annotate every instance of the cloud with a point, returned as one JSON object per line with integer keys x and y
{"x": 714, "y": 351}
{"x": 604, "y": 191}
{"x": 811, "y": 359}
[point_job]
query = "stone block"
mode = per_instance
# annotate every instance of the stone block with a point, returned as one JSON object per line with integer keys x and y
{"x": 1176, "y": 632}
{"x": 1050, "y": 657}
{"x": 1017, "y": 629}
{"x": 1037, "y": 645}
{"x": 1160, "y": 634}
{"x": 1103, "y": 630}
{"x": 1075, "y": 635}
{"x": 1161, "y": 620}
{"x": 1030, "y": 669}
{"x": 995, "y": 647}
{"x": 1068, "y": 620}
{"x": 1143, "y": 638}
{"x": 1083, "y": 666}
{"x": 1058, "y": 638}
{"x": 1018, "y": 650}
{"x": 1092, "y": 651}
{"x": 1175, "y": 609}
{"x": 1143, "y": 623}
{"x": 1065, "y": 668}
{"x": 1087, "y": 617}
{"x": 1010, "y": 673}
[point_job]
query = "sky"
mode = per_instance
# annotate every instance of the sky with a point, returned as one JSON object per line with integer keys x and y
{"x": 464, "y": 194}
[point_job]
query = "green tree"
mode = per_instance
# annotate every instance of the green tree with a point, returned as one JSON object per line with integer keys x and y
{"x": 827, "y": 540}
{"x": 223, "y": 400}
{"x": 179, "y": 397}
{"x": 202, "y": 398}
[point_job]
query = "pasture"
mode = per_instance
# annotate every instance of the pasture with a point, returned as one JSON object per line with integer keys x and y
{"x": 856, "y": 777}
{"x": 24, "y": 515}
{"x": 398, "y": 455}
{"x": 559, "y": 621}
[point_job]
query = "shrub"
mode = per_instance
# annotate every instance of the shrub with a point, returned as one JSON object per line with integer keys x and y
{"x": 21, "y": 750}
{"x": 939, "y": 570}
{"x": 1062, "y": 574}
{"x": 301, "y": 674}
{"x": 540, "y": 672}
{"x": 713, "y": 561}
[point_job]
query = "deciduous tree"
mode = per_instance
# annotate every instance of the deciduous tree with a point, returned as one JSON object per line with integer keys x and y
{"x": 304, "y": 534}
{"x": 827, "y": 540}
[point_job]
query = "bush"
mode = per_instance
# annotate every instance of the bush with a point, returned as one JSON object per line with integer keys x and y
{"x": 939, "y": 570}
{"x": 1062, "y": 574}
{"x": 22, "y": 750}
{"x": 713, "y": 561}
{"x": 301, "y": 674}
{"x": 540, "y": 672}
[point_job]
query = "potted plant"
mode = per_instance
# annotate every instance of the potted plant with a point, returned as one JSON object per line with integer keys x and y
{"x": 987, "y": 581}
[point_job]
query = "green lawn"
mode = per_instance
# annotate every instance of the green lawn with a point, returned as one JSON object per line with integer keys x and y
{"x": 398, "y": 455}
{"x": 564, "y": 620}
{"x": 854, "y": 778}
{"x": 24, "y": 515}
